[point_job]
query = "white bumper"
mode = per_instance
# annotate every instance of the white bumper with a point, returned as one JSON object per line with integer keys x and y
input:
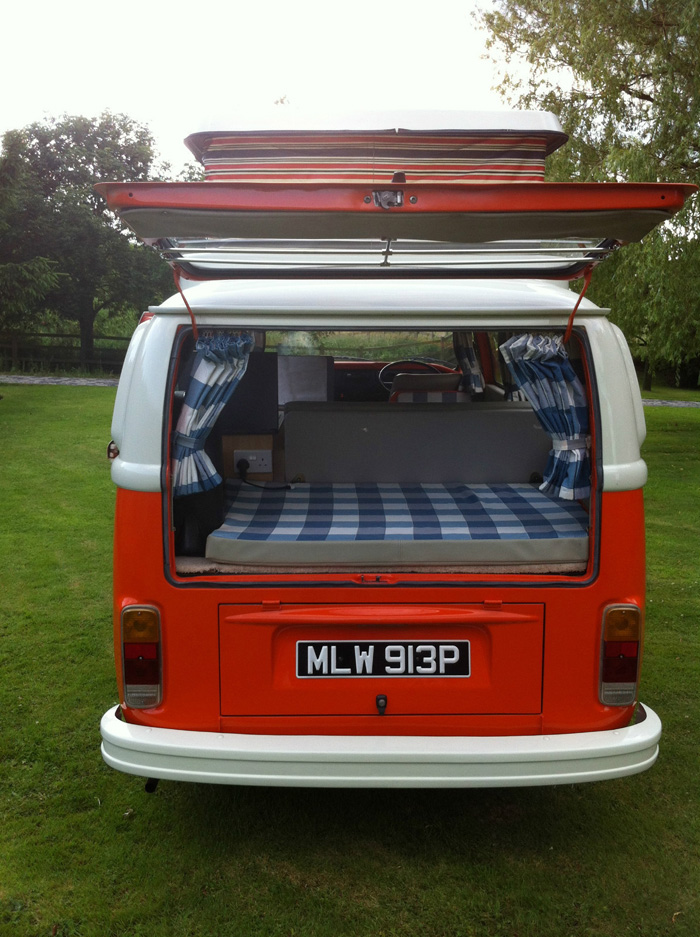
{"x": 380, "y": 761}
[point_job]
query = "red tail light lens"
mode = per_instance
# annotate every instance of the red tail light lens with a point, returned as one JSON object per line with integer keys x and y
{"x": 141, "y": 660}
{"x": 622, "y": 641}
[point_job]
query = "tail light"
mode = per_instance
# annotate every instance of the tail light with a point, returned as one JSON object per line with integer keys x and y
{"x": 619, "y": 666}
{"x": 141, "y": 659}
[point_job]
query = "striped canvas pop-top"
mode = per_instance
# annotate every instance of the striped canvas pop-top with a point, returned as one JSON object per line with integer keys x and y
{"x": 373, "y": 158}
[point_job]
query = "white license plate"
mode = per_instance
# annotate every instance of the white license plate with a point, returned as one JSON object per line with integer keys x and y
{"x": 382, "y": 659}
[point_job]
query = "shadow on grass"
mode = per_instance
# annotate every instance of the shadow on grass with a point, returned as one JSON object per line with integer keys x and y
{"x": 407, "y": 823}
{"x": 428, "y": 857}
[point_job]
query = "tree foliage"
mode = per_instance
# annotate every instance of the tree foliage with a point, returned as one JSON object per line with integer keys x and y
{"x": 624, "y": 81}
{"x": 70, "y": 154}
{"x": 62, "y": 231}
{"x": 25, "y": 281}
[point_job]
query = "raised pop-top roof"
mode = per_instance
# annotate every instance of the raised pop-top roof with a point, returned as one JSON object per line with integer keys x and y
{"x": 442, "y": 146}
{"x": 292, "y": 119}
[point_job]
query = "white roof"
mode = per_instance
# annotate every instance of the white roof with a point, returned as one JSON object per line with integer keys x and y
{"x": 292, "y": 119}
{"x": 413, "y": 297}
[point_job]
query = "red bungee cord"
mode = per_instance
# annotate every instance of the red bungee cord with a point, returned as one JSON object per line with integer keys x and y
{"x": 176, "y": 277}
{"x": 570, "y": 324}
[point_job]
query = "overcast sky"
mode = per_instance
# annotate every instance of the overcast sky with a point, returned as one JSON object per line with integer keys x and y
{"x": 180, "y": 67}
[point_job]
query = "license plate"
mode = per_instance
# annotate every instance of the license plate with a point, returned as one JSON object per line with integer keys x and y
{"x": 383, "y": 659}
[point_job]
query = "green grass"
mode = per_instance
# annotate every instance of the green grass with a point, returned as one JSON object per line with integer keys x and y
{"x": 41, "y": 369}
{"x": 663, "y": 392}
{"x": 84, "y": 851}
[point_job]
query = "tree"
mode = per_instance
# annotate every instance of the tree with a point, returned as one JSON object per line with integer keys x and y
{"x": 105, "y": 270}
{"x": 70, "y": 154}
{"x": 623, "y": 79}
{"x": 97, "y": 263}
{"x": 24, "y": 281}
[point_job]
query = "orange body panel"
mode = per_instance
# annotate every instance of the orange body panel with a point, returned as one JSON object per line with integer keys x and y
{"x": 191, "y": 612}
{"x": 505, "y": 649}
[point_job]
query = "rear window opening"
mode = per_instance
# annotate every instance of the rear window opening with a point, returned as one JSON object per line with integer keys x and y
{"x": 404, "y": 451}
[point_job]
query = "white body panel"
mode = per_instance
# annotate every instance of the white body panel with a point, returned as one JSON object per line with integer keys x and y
{"x": 328, "y": 304}
{"x": 137, "y": 422}
{"x": 377, "y": 761}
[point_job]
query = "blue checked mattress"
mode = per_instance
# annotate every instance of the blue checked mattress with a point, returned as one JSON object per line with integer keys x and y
{"x": 398, "y": 525}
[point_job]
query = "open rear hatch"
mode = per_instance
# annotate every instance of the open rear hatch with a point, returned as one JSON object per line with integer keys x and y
{"x": 388, "y": 201}
{"x": 553, "y": 230}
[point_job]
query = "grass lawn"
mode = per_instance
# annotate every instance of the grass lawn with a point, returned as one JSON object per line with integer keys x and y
{"x": 663, "y": 392}
{"x": 84, "y": 851}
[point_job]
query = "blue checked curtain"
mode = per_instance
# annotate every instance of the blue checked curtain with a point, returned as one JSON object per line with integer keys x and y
{"x": 219, "y": 365}
{"x": 472, "y": 378}
{"x": 540, "y": 367}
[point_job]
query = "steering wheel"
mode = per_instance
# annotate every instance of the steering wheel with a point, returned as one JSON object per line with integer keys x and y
{"x": 390, "y": 370}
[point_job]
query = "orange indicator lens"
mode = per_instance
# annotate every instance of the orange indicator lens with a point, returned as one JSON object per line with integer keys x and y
{"x": 622, "y": 623}
{"x": 140, "y": 625}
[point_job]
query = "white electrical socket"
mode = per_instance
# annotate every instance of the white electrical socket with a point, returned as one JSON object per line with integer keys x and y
{"x": 260, "y": 460}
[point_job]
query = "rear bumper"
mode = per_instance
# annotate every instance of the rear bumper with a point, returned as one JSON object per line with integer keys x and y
{"x": 372, "y": 761}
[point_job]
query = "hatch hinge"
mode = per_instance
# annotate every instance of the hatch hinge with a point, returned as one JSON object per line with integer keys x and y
{"x": 388, "y": 198}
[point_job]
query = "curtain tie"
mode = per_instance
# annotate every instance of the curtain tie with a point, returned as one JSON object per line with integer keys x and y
{"x": 560, "y": 445}
{"x": 189, "y": 442}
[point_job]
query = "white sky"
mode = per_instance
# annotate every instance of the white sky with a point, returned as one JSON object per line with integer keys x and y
{"x": 179, "y": 67}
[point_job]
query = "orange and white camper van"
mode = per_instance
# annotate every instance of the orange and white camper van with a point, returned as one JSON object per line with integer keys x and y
{"x": 379, "y": 513}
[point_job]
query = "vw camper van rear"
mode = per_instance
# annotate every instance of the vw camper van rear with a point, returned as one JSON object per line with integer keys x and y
{"x": 379, "y": 515}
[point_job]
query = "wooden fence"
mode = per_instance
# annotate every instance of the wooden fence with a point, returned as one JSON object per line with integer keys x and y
{"x": 50, "y": 351}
